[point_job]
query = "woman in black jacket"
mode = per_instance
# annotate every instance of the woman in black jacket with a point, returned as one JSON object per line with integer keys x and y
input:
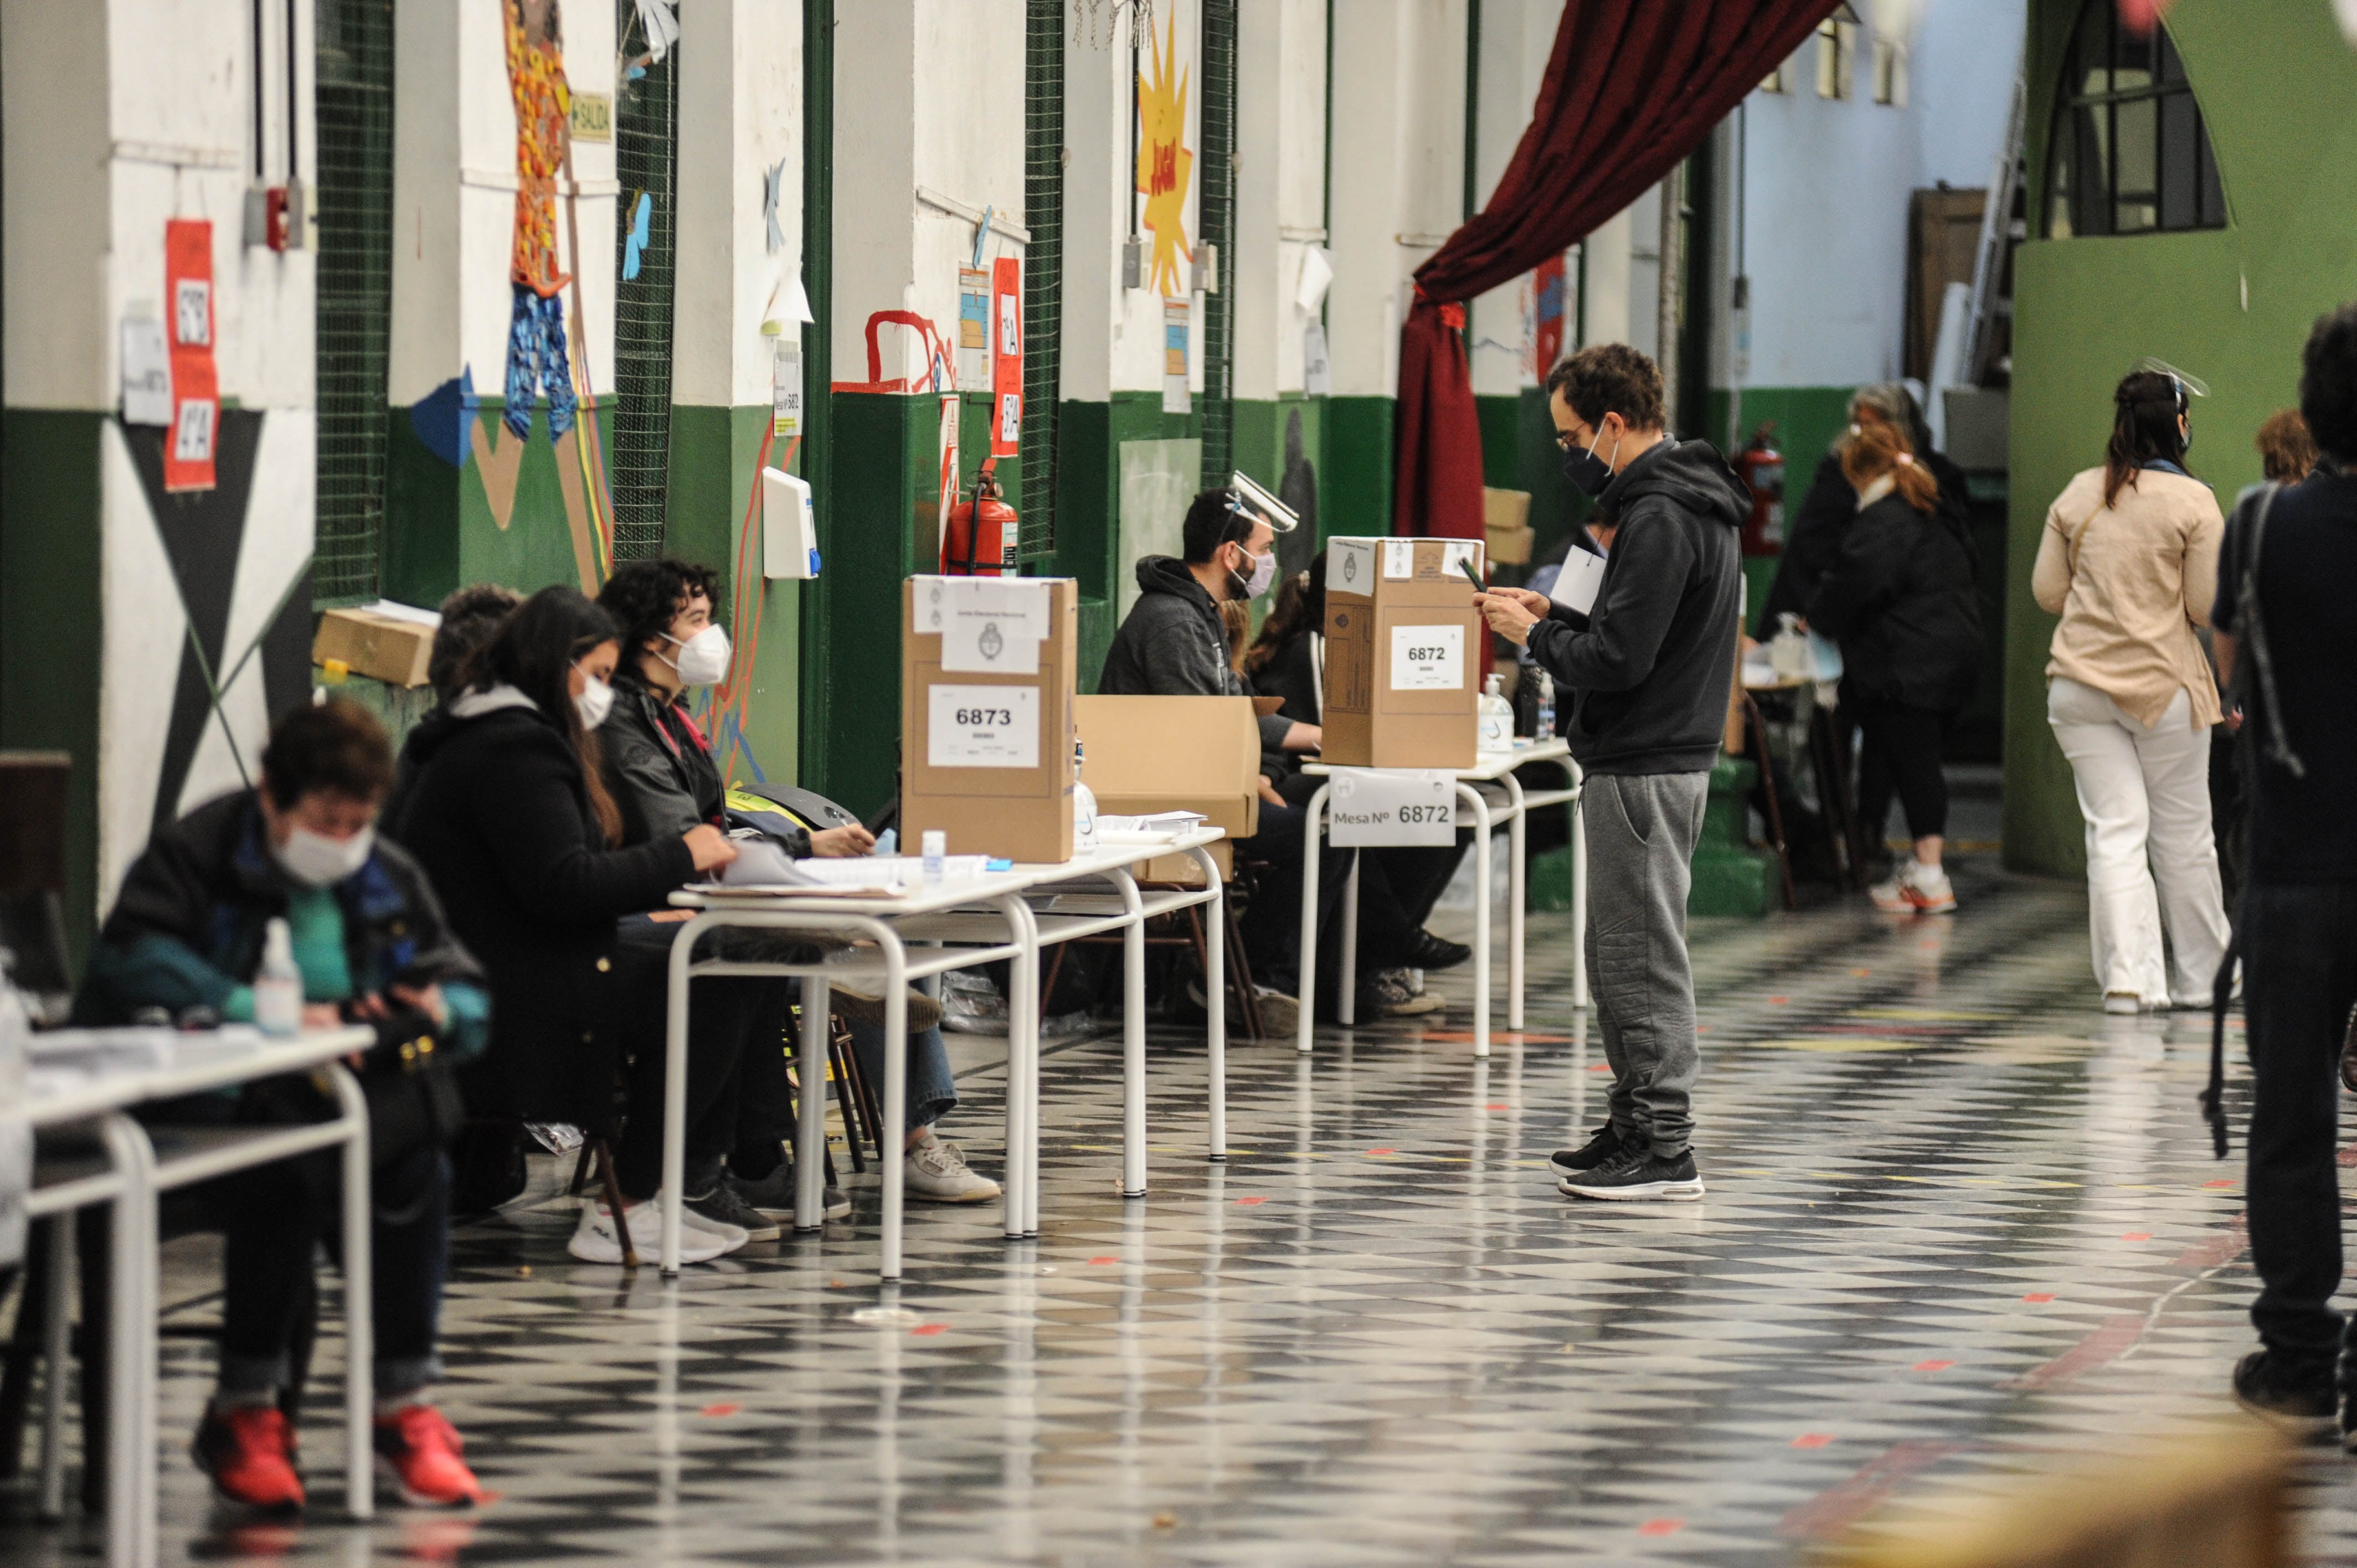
{"x": 509, "y": 816}
{"x": 1899, "y": 598}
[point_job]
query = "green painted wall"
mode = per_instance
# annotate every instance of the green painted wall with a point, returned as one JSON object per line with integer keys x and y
{"x": 1088, "y": 496}
{"x": 2278, "y": 91}
{"x": 439, "y": 530}
{"x": 1355, "y": 484}
{"x": 51, "y": 621}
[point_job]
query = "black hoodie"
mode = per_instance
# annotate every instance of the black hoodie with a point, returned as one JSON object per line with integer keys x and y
{"x": 1650, "y": 665}
{"x": 1171, "y": 644}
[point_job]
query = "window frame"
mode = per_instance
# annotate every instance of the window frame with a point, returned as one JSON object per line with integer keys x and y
{"x": 2088, "y": 105}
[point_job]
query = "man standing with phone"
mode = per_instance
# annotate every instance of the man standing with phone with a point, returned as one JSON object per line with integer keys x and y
{"x": 1648, "y": 663}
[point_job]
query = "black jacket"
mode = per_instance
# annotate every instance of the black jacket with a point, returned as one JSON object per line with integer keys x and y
{"x": 1173, "y": 645}
{"x": 1292, "y": 677}
{"x": 187, "y": 928}
{"x": 1814, "y": 540}
{"x": 1899, "y": 600}
{"x": 499, "y": 815}
{"x": 659, "y": 768}
{"x": 1649, "y": 668}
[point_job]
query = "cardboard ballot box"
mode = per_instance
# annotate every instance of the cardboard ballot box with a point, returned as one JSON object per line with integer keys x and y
{"x": 385, "y": 647}
{"x": 1148, "y": 755}
{"x": 986, "y": 683}
{"x": 1403, "y": 653}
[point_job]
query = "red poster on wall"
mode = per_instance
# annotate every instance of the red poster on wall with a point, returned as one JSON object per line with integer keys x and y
{"x": 196, "y": 393}
{"x": 1006, "y": 364}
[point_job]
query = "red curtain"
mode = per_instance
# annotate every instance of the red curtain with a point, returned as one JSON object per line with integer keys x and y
{"x": 1631, "y": 86}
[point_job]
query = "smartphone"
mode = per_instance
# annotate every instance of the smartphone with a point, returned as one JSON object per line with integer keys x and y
{"x": 1472, "y": 577}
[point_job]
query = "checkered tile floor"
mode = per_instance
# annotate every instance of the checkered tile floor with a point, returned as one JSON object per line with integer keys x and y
{"x": 1960, "y": 1223}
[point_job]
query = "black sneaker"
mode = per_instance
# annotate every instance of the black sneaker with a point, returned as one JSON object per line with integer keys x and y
{"x": 2299, "y": 1402}
{"x": 722, "y": 1205}
{"x": 1594, "y": 1153}
{"x": 773, "y": 1197}
{"x": 1639, "y": 1175}
{"x": 1427, "y": 952}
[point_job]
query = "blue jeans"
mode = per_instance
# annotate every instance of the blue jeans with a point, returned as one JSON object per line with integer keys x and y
{"x": 933, "y": 1090}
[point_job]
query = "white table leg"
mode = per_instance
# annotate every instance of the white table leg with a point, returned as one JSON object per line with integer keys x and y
{"x": 673, "y": 1194}
{"x": 896, "y": 1094}
{"x": 1472, "y": 798}
{"x": 1579, "y": 998}
{"x": 1310, "y": 836}
{"x": 1133, "y": 1038}
{"x": 359, "y": 1301}
{"x": 1215, "y": 985}
{"x": 810, "y": 1120}
{"x": 131, "y": 1411}
{"x": 1022, "y": 1070}
{"x": 1346, "y": 1004}
{"x": 1517, "y": 890}
{"x": 58, "y": 1348}
{"x": 1026, "y": 929}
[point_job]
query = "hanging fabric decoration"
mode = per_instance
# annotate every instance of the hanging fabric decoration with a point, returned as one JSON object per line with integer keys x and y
{"x": 1631, "y": 86}
{"x": 660, "y": 21}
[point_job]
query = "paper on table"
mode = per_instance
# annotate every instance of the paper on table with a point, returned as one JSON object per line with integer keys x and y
{"x": 1574, "y": 586}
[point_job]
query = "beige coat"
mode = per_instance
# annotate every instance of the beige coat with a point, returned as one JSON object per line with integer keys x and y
{"x": 2131, "y": 581}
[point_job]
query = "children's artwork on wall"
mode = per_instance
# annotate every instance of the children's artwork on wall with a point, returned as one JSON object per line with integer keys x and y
{"x": 195, "y": 395}
{"x": 634, "y": 242}
{"x": 443, "y": 419}
{"x": 499, "y": 462}
{"x": 1165, "y": 166}
{"x": 536, "y": 353}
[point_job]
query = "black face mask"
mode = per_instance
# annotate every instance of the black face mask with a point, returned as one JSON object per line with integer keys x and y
{"x": 1589, "y": 473}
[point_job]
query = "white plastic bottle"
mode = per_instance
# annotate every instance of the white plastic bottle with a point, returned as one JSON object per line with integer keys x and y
{"x": 278, "y": 984}
{"x": 1084, "y": 807}
{"x": 1496, "y": 718}
{"x": 935, "y": 847}
{"x": 1546, "y": 706}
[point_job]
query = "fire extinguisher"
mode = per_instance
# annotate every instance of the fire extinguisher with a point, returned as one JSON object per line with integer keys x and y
{"x": 1762, "y": 468}
{"x": 980, "y": 539}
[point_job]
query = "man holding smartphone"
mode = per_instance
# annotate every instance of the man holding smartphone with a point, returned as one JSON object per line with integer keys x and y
{"x": 1647, "y": 666}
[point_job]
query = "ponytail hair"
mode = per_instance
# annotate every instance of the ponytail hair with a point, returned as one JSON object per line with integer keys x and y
{"x": 2147, "y": 406}
{"x": 1875, "y": 449}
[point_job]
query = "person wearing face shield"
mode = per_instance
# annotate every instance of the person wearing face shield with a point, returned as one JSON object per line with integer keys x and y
{"x": 186, "y": 936}
{"x": 1172, "y": 644}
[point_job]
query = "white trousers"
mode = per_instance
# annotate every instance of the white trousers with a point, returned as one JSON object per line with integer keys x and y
{"x": 2145, "y": 795}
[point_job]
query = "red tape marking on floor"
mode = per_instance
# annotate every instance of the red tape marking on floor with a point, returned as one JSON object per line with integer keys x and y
{"x": 1101, "y": 1262}
{"x": 931, "y": 1328}
{"x": 2135, "y": 1235}
{"x": 716, "y": 1411}
{"x": 1383, "y": 1152}
{"x": 1248, "y": 1202}
{"x": 2038, "y": 1297}
{"x": 1660, "y": 1526}
{"x": 1830, "y": 1512}
{"x": 1933, "y": 1366}
{"x": 1813, "y": 1440}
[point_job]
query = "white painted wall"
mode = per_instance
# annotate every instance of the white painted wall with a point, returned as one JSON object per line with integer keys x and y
{"x": 1517, "y": 37}
{"x": 1828, "y": 183}
{"x": 453, "y": 185}
{"x": 740, "y": 113}
{"x": 1280, "y": 186}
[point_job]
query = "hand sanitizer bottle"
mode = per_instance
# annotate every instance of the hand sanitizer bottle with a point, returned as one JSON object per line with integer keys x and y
{"x": 278, "y": 984}
{"x": 935, "y": 847}
{"x": 1496, "y": 718}
{"x": 1546, "y": 706}
{"x": 1084, "y": 807}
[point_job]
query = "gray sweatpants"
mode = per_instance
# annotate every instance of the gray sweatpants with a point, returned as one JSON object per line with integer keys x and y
{"x": 1641, "y": 830}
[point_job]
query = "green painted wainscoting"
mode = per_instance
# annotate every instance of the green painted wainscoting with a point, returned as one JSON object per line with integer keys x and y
{"x": 1356, "y": 482}
{"x": 439, "y": 530}
{"x": 51, "y": 621}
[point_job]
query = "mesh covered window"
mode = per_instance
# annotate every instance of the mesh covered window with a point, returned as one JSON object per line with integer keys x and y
{"x": 1218, "y": 223}
{"x": 354, "y": 309}
{"x": 1043, "y": 273}
{"x": 2129, "y": 153}
{"x": 646, "y": 165}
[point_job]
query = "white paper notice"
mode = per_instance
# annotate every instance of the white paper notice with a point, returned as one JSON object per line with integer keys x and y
{"x": 146, "y": 372}
{"x": 993, "y": 623}
{"x": 983, "y": 726}
{"x": 1316, "y": 369}
{"x": 1575, "y": 587}
{"x": 1317, "y": 277}
{"x": 1458, "y": 554}
{"x": 1351, "y": 565}
{"x": 1399, "y": 558}
{"x": 1427, "y": 658}
{"x": 1371, "y": 809}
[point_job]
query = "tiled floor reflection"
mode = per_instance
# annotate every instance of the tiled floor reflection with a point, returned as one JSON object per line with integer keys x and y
{"x": 1959, "y": 1224}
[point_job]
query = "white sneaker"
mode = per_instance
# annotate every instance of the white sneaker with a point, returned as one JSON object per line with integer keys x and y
{"x": 2123, "y": 1003}
{"x": 597, "y": 1240}
{"x": 1915, "y": 889}
{"x": 938, "y": 1171}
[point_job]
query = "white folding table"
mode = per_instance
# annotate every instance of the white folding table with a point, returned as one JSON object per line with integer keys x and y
{"x": 135, "y": 1168}
{"x": 992, "y": 912}
{"x": 1497, "y": 768}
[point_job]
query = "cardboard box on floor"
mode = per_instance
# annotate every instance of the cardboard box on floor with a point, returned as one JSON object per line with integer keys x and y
{"x": 996, "y": 774}
{"x": 1175, "y": 754}
{"x": 1403, "y": 653}
{"x": 1506, "y": 519}
{"x": 383, "y": 647}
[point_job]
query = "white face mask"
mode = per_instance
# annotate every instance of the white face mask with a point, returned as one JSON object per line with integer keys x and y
{"x": 1263, "y": 572}
{"x": 314, "y": 860}
{"x": 594, "y": 702}
{"x": 702, "y": 659}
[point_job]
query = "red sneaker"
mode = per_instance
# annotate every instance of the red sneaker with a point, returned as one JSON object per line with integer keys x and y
{"x": 418, "y": 1450}
{"x": 249, "y": 1451}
